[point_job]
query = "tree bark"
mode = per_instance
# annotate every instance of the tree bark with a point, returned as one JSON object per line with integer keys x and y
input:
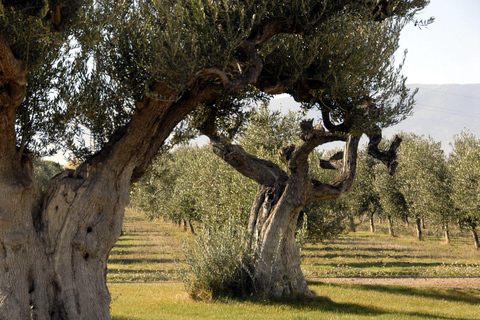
{"x": 391, "y": 233}
{"x": 418, "y": 227}
{"x": 372, "y": 222}
{"x": 473, "y": 230}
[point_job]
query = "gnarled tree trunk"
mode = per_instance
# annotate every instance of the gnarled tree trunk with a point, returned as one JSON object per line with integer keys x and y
{"x": 282, "y": 194}
{"x": 280, "y": 197}
{"x": 54, "y": 246}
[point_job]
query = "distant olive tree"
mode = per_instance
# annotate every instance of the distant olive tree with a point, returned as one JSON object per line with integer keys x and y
{"x": 424, "y": 178}
{"x": 464, "y": 163}
{"x": 45, "y": 171}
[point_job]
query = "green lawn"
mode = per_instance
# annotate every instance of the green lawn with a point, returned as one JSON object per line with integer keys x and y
{"x": 362, "y": 254}
{"x": 169, "y": 301}
{"x": 149, "y": 252}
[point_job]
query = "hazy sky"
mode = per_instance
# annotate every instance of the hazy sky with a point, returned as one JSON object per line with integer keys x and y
{"x": 447, "y": 51}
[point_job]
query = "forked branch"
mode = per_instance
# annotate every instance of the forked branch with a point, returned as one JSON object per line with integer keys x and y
{"x": 345, "y": 163}
{"x": 387, "y": 157}
{"x": 296, "y": 158}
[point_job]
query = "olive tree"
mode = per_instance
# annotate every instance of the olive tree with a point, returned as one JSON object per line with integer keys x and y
{"x": 126, "y": 73}
{"x": 360, "y": 103}
{"x": 463, "y": 163}
{"x": 423, "y": 177}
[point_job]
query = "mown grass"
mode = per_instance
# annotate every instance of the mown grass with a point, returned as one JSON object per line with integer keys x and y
{"x": 149, "y": 252}
{"x": 169, "y": 301}
{"x": 362, "y": 254}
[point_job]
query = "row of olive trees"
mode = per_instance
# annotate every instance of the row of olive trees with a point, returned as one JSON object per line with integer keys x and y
{"x": 199, "y": 186}
{"x": 427, "y": 186}
{"x": 191, "y": 186}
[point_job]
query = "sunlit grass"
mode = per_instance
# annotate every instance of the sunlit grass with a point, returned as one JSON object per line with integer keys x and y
{"x": 147, "y": 251}
{"x": 362, "y": 254}
{"x": 150, "y": 251}
{"x": 169, "y": 301}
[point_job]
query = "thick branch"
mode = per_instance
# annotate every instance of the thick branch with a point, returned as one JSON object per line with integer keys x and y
{"x": 262, "y": 171}
{"x": 389, "y": 156}
{"x": 296, "y": 158}
{"x": 346, "y": 173}
{"x": 11, "y": 69}
{"x": 133, "y": 146}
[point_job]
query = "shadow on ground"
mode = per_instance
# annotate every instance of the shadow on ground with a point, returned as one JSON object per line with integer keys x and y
{"x": 470, "y": 296}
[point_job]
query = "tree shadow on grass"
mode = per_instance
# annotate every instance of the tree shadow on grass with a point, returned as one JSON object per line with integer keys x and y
{"x": 326, "y": 305}
{"x": 139, "y": 260}
{"x": 390, "y": 264}
{"x": 121, "y": 245}
{"x": 469, "y": 296}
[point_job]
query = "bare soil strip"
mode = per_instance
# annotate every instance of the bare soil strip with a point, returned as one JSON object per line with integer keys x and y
{"x": 460, "y": 283}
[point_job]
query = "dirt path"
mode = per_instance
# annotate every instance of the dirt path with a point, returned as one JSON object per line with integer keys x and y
{"x": 462, "y": 283}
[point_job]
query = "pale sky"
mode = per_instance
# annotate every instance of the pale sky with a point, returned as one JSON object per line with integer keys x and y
{"x": 447, "y": 51}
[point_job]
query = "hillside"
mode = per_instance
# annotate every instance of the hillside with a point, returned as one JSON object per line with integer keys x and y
{"x": 441, "y": 111}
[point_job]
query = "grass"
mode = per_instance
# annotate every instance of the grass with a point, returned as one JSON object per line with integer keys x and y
{"x": 169, "y": 301}
{"x": 149, "y": 252}
{"x": 362, "y": 254}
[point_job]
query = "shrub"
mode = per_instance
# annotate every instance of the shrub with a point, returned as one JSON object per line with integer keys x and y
{"x": 220, "y": 262}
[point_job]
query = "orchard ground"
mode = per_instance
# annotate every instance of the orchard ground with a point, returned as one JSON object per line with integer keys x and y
{"x": 356, "y": 276}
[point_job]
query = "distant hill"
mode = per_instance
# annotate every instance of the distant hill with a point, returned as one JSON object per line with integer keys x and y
{"x": 441, "y": 111}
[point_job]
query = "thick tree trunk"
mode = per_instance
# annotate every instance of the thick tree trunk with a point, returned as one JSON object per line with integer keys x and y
{"x": 272, "y": 224}
{"x": 418, "y": 227}
{"x": 54, "y": 246}
{"x": 391, "y": 233}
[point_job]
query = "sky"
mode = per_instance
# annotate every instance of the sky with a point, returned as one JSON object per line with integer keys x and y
{"x": 448, "y": 50}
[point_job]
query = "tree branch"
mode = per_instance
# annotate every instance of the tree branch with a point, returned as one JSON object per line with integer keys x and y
{"x": 262, "y": 171}
{"x": 346, "y": 173}
{"x": 296, "y": 158}
{"x": 13, "y": 76}
{"x": 387, "y": 157}
{"x": 11, "y": 69}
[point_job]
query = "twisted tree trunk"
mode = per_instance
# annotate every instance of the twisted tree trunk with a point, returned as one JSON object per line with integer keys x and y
{"x": 280, "y": 197}
{"x": 54, "y": 246}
